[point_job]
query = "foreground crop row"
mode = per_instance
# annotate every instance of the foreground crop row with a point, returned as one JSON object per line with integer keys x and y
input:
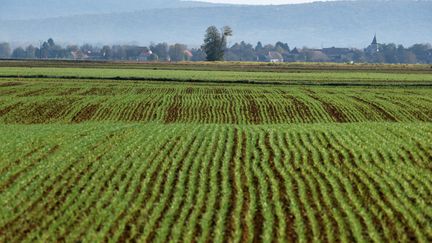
{"x": 97, "y": 182}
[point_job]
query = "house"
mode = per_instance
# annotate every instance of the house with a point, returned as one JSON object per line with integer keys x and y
{"x": 274, "y": 57}
{"x": 293, "y": 56}
{"x": 78, "y": 55}
{"x": 337, "y": 54}
{"x": 145, "y": 55}
{"x": 188, "y": 55}
{"x": 315, "y": 55}
{"x": 295, "y": 51}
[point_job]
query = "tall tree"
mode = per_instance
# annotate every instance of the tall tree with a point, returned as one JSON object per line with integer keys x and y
{"x": 281, "y": 47}
{"x": 161, "y": 50}
{"x": 259, "y": 46}
{"x": 30, "y": 52}
{"x": 5, "y": 50}
{"x": 19, "y": 53}
{"x": 51, "y": 42}
{"x": 106, "y": 52}
{"x": 215, "y": 42}
{"x": 241, "y": 52}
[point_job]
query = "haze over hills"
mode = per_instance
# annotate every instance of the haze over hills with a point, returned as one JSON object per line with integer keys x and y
{"x": 28, "y": 9}
{"x": 345, "y": 24}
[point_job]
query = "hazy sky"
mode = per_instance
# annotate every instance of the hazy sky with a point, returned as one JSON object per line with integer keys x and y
{"x": 259, "y": 1}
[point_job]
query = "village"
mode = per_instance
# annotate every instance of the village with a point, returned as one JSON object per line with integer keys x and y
{"x": 277, "y": 53}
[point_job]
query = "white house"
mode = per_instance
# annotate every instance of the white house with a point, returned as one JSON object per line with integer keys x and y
{"x": 274, "y": 57}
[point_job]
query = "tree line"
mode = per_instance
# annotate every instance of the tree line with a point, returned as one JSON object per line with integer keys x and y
{"x": 215, "y": 49}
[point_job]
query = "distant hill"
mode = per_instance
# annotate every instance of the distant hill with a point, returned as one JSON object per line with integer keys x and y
{"x": 31, "y": 9}
{"x": 345, "y": 24}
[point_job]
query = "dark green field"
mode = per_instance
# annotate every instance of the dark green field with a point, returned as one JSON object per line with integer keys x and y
{"x": 236, "y": 152}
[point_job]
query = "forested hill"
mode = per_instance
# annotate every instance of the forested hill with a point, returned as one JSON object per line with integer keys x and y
{"x": 31, "y": 9}
{"x": 344, "y": 24}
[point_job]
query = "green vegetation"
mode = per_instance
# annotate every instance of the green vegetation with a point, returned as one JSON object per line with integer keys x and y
{"x": 224, "y": 66}
{"x": 65, "y": 101}
{"x": 191, "y": 75}
{"x": 215, "y": 42}
{"x": 91, "y": 158}
{"x": 301, "y": 182}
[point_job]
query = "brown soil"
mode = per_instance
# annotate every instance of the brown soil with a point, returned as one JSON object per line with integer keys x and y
{"x": 334, "y": 112}
{"x": 32, "y": 93}
{"x": 174, "y": 111}
{"x": 300, "y": 107}
{"x": 289, "y": 218}
{"x": 384, "y": 114}
{"x": 70, "y": 91}
{"x": 8, "y": 109}
{"x": 253, "y": 110}
{"x": 337, "y": 115}
{"x": 230, "y": 227}
{"x": 244, "y": 182}
{"x": 10, "y": 84}
{"x": 86, "y": 113}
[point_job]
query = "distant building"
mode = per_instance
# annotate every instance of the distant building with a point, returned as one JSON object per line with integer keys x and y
{"x": 293, "y": 56}
{"x": 145, "y": 55}
{"x": 337, "y": 54}
{"x": 373, "y": 47}
{"x": 315, "y": 55}
{"x": 274, "y": 57}
{"x": 78, "y": 55}
{"x": 188, "y": 55}
{"x": 295, "y": 51}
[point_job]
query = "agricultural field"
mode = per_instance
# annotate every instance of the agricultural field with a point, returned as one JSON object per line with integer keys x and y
{"x": 96, "y": 152}
{"x": 260, "y": 77}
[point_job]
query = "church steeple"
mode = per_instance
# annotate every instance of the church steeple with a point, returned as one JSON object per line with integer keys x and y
{"x": 373, "y": 47}
{"x": 374, "y": 42}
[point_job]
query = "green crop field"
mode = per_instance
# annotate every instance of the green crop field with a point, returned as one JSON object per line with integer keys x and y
{"x": 296, "y": 77}
{"x": 130, "y": 152}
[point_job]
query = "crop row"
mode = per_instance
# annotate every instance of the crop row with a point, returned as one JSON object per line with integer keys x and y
{"x": 75, "y": 102}
{"x": 200, "y": 75}
{"x": 368, "y": 183}
{"x": 222, "y": 66}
